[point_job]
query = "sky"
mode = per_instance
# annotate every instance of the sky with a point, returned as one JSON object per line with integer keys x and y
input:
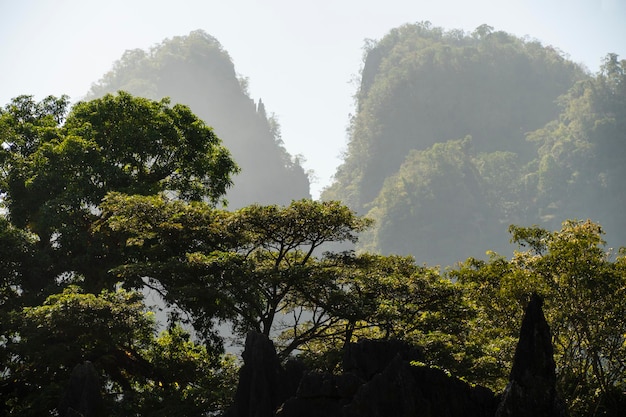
{"x": 302, "y": 58}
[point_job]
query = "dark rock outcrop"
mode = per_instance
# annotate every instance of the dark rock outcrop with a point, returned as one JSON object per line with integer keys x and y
{"x": 370, "y": 357}
{"x": 325, "y": 394}
{"x": 532, "y": 387}
{"x": 263, "y": 383}
{"x": 378, "y": 379}
{"x": 82, "y": 395}
{"x": 406, "y": 390}
{"x": 384, "y": 378}
{"x": 400, "y": 389}
{"x": 321, "y": 394}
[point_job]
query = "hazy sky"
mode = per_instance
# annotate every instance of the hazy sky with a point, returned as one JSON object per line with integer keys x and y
{"x": 301, "y": 57}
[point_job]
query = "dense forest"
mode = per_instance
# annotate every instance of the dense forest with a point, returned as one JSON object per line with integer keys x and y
{"x": 196, "y": 71}
{"x": 456, "y": 136}
{"x": 460, "y": 143}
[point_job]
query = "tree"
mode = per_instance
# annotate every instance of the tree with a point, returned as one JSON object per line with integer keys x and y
{"x": 18, "y": 263}
{"x": 60, "y": 306}
{"x": 56, "y": 169}
{"x": 254, "y": 267}
{"x": 161, "y": 242}
{"x": 584, "y": 289}
{"x": 139, "y": 374}
{"x": 384, "y": 297}
{"x": 258, "y": 269}
{"x": 282, "y": 242}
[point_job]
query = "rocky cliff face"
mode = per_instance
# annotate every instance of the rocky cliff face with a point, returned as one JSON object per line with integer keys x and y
{"x": 381, "y": 378}
{"x": 264, "y": 383}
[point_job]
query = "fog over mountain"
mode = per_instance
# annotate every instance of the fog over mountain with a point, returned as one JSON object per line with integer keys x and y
{"x": 447, "y": 147}
{"x": 459, "y": 135}
{"x": 406, "y": 188}
{"x": 300, "y": 59}
{"x": 196, "y": 71}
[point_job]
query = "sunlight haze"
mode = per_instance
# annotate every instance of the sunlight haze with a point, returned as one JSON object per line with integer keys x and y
{"x": 301, "y": 58}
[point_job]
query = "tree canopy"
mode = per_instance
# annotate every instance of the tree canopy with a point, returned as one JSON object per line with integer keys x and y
{"x": 251, "y": 267}
{"x": 583, "y": 285}
{"x": 58, "y": 166}
{"x": 60, "y": 303}
{"x": 137, "y": 373}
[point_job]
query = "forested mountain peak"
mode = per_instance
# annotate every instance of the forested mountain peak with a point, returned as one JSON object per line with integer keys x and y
{"x": 195, "y": 70}
{"x": 543, "y": 141}
{"x": 421, "y": 85}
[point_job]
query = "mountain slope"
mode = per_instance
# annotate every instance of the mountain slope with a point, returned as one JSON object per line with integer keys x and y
{"x": 543, "y": 142}
{"x": 422, "y": 85}
{"x": 196, "y": 71}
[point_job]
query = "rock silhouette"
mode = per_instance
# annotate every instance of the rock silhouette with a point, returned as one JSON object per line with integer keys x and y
{"x": 385, "y": 378}
{"x": 263, "y": 383}
{"x": 82, "y": 395}
{"x": 532, "y": 387}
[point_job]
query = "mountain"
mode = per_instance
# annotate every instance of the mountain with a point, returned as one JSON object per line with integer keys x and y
{"x": 456, "y": 136}
{"x": 580, "y": 166}
{"x": 196, "y": 71}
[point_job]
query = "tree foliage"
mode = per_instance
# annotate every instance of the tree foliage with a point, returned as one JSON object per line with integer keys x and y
{"x": 583, "y": 287}
{"x": 121, "y": 193}
{"x": 56, "y": 169}
{"x": 258, "y": 269}
{"x": 384, "y": 297}
{"x": 60, "y": 305}
{"x": 251, "y": 267}
{"x": 139, "y": 373}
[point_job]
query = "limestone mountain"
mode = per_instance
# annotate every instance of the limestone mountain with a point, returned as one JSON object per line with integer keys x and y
{"x": 422, "y": 85}
{"x": 196, "y": 71}
{"x": 458, "y": 135}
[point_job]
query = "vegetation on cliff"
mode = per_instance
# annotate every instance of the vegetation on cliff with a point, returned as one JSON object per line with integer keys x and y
{"x": 456, "y": 136}
{"x": 196, "y": 71}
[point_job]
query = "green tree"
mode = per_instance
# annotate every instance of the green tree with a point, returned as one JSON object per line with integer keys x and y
{"x": 253, "y": 267}
{"x": 161, "y": 243}
{"x": 281, "y": 241}
{"x": 56, "y": 169}
{"x": 139, "y": 373}
{"x": 196, "y": 382}
{"x": 584, "y": 289}
{"x": 385, "y": 297}
{"x": 18, "y": 262}
{"x": 258, "y": 269}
